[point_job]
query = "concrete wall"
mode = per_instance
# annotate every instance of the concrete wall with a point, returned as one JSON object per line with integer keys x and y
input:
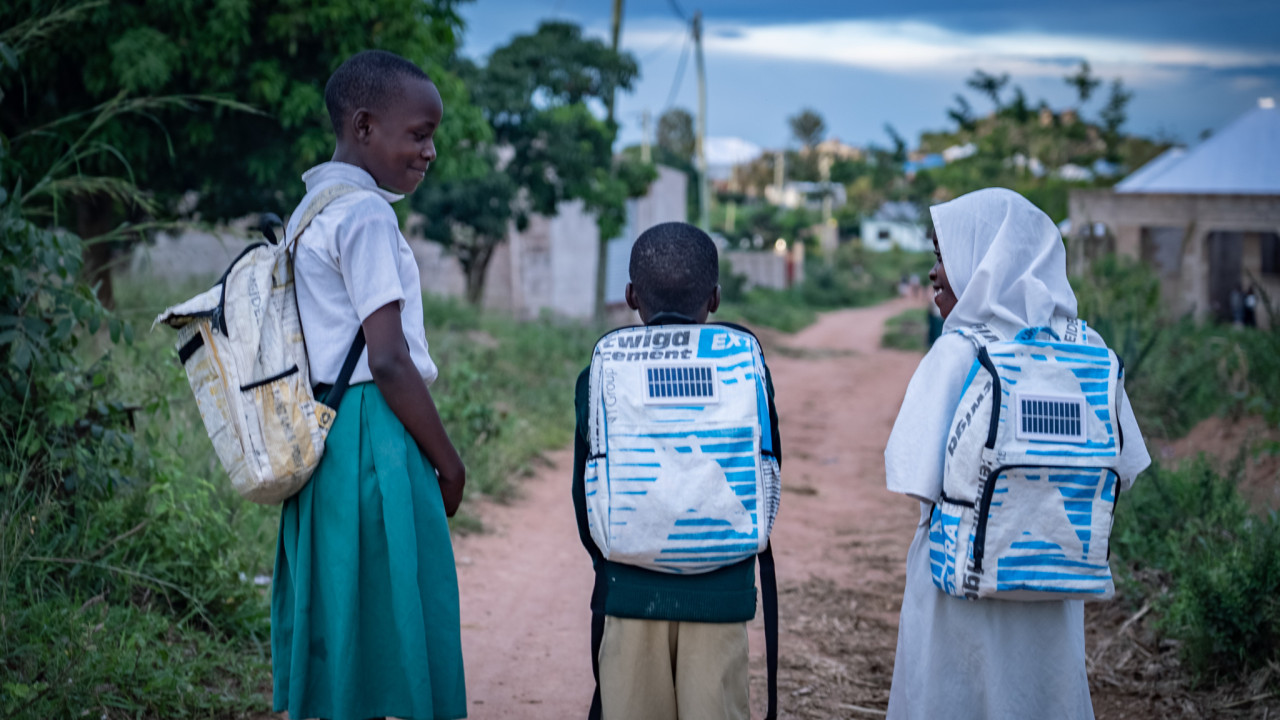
{"x": 549, "y": 267}
{"x": 766, "y": 268}
{"x": 1146, "y": 227}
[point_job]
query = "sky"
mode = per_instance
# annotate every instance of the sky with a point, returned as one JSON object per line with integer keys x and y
{"x": 1192, "y": 65}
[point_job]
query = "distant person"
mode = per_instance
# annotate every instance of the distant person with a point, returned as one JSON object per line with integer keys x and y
{"x": 1250, "y": 315}
{"x": 673, "y": 646}
{"x": 364, "y": 600}
{"x": 1235, "y": 303}
{"x": 913, "y": 283}
{"x": 1001, "y": 263}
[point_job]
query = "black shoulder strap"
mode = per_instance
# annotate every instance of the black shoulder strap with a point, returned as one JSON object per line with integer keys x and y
{"x": 769, "y": 598}
{"x": 597, "y": 637}
{"x": 334, "y": 397}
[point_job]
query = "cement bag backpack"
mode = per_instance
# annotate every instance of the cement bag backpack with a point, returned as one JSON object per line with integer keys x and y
{"x": 681, "y": 476}
{"x": 241, "y": 345}
{"x": 1029, "y": 487}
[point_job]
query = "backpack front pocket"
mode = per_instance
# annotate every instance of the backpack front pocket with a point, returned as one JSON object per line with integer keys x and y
{"x": 1052, "y": 542}
{"x": 290, "y": 437}
{"x": 680, "y": 501}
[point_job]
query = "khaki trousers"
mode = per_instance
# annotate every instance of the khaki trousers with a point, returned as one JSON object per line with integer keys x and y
{"x": 661, "y": 670}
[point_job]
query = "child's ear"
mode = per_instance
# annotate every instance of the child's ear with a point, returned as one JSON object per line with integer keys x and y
{"x": 361, "y": 125}
{"x": 714, "y": 303}
{"x": 632, "y": 301}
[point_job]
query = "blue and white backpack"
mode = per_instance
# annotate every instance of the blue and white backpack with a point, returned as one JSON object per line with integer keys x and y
{"x": 682, "y": 475}
{"x": 1030, "y": 485}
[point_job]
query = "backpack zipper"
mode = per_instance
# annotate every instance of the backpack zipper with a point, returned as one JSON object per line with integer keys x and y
{"x": 988, "y": 494}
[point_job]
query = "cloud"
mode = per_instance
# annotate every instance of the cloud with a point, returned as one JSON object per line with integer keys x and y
{"x": 730, "y": 150}
{"x": 911, "y": 47}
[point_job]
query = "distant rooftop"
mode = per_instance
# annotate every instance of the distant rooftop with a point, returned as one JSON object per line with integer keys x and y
{"x": 1241, "y": 159}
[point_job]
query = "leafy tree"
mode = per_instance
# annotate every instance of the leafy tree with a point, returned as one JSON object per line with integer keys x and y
{"x": 989, "y": 85}
{"x": 1084, "y": 82}
{"x": 675, "y": 134}
{"x": 962, "y": 113}
{"x": 1018, "y": 110}
{"x": 899, "y": 154}
{"x": 1114, "y": 114}
{"x": 534, "y": 93}
{"x": 807, "y": 127}
{"x": 275, "y": 56}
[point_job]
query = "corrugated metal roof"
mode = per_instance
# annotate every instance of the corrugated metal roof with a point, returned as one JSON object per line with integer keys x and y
{"x": 1241, "y": 159}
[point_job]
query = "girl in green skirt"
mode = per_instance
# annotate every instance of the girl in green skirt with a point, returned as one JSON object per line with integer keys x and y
{"x": 364, "y": 602}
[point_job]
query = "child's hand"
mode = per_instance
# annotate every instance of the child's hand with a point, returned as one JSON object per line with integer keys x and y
{"x": 452, "y": 477}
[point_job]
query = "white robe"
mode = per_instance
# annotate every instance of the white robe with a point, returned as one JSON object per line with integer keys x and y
{"x": 958, "y": 658}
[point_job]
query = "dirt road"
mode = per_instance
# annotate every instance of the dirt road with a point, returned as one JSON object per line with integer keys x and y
{"x": 840, "y": 542}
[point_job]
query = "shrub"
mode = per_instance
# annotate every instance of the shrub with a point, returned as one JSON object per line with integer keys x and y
{"x": 1186, "y": 539}
{"x": 1177, "y": 371}
{"x": 908, "y": 330}
{"x": 102, "y": 507}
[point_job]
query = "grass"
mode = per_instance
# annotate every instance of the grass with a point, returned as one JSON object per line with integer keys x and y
{"x": 908, "y": 330}
{"x": 133, "y": 596}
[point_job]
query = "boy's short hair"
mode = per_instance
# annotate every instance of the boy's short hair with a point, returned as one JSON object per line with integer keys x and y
{"x": 368, "y": 79}
{"x": 674, "y": 268}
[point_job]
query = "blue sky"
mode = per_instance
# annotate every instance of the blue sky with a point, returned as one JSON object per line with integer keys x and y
{"x": 1193, "y": 65}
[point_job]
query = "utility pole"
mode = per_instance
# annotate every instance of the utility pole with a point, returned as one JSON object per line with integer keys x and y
{"x": 602, "y": 257}
{"x": 704, "y": 189}
{"x": 617, "y": 34}
{"x": 780, "y": 172}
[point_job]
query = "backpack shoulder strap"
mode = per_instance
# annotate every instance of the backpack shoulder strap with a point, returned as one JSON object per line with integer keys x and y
{"x": 317, "y": 204}
{"x": 979, "y": 335}
{"x": 769, "y": 601}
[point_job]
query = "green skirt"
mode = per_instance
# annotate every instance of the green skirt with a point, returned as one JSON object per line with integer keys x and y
{"x": 364, "y": 602}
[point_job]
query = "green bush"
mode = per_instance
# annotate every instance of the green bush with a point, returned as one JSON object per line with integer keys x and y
{"x": 70, "y": 659}
{"x": 506, "y": 387}
{"x": 103, "y": 503}
{"x": 1178, "y": 372}
{"x": 1185, "y": 538}
{"x": 908, "y": 330}
{"x": 783, "y": 310}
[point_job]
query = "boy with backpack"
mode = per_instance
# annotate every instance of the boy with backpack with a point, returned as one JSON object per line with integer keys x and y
{"x": 675, "y": 486}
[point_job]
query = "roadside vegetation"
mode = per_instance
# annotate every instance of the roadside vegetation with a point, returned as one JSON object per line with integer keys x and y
{"x": 854, "y": 278}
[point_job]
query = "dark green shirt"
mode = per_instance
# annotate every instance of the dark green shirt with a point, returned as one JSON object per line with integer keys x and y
{"x": 725, "y": 595}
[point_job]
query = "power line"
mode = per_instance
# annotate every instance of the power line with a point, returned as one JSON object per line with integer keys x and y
{"x": 675, "y": 7}
{"x": 679, "y": 78}
{"x": 666, "y": 45}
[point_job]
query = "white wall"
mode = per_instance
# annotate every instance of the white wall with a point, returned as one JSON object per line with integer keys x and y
{"x": 907, "y": 236}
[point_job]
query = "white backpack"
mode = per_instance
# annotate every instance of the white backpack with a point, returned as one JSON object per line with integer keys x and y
{"x": 1030, "y": 486}
{"x": 242, "y": 347}
{"x": 682, "y": 475}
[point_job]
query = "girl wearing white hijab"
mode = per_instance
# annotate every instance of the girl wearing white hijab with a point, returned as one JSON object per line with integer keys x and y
{"x": 1000, "y": 262}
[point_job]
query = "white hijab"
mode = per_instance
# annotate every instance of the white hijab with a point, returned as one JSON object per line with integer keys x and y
{"x": 1007, "y": 265}
{"x": 1005, "y": 260}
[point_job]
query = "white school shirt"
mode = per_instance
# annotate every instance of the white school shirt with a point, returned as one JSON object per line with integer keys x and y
{"x": 352, "y": 260}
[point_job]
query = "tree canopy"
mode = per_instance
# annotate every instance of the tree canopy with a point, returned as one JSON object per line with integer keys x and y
{"x": 807, "y": 127}
{"x": 536, "y": 93}
{"x": 275, "y": 56}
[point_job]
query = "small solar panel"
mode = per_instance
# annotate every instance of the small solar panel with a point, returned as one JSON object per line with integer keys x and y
{"x": 1051, "y": 418}
{"x": 676, "y": 384}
